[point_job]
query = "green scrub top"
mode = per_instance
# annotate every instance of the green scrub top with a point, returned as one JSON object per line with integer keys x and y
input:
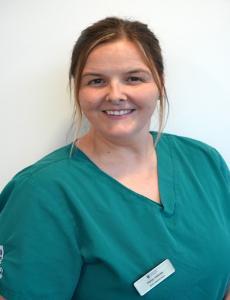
{"x": 69, "y": 231}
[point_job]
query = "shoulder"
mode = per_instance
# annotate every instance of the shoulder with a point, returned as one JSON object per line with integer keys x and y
{"x": 51, "y": 162}
{"x": 189, "y": 145}
{"x": 185, "y": 143}
{"x": 199, "y": 155}
{"x": 45, "y": 177}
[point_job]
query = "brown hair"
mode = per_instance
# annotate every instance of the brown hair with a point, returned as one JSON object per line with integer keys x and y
{"x": 111, "y": 29}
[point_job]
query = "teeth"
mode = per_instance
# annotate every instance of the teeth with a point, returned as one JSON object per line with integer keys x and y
{"x": 118, "y": 112}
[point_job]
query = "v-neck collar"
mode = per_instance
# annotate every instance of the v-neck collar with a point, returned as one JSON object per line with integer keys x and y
{"x": 166, "y": 176}
{"x": 166, "y": 173}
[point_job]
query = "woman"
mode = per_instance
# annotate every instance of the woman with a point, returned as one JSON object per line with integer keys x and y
{"x": 129, "y": 212}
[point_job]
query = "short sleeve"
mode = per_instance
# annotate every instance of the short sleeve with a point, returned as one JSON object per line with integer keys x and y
{"x": 40, "y": 254}
{"x": 222, "y": 165}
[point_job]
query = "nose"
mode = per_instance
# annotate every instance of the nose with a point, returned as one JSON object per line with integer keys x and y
{"x": 116, "y": 92}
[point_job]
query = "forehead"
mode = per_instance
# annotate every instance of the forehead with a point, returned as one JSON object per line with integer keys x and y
{"x": 119, "y": 54}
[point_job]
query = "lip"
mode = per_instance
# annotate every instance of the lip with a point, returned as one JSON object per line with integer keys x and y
{"x": 112, "y": 109}
{"x": 116, "y": 117}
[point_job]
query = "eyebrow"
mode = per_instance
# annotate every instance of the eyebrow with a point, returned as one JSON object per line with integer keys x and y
{"x": 128, "y": 72}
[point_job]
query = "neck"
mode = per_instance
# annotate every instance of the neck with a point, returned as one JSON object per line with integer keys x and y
{"x": 113, "y": 150}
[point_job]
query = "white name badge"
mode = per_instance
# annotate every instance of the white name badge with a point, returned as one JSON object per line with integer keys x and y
{"x": 154, "y": 277}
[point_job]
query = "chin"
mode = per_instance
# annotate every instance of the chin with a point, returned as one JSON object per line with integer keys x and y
{"x": 122, "y": 134}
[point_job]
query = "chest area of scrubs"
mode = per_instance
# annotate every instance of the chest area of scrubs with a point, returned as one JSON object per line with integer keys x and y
{"x": 124, "y": 235}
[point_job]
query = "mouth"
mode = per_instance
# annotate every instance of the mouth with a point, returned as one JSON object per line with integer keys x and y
{"x": 120, "y": 112}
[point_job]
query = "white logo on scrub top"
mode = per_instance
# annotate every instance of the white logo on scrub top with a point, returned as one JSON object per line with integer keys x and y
{"x": 1, "y": 258}
{"x": 1, "y": 253}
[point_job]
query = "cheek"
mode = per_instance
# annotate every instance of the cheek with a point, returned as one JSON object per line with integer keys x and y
{"x": 147, "y": 97}
{"x": 87, "y": 100}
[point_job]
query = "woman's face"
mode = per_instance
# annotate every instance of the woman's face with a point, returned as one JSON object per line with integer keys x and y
{"x": 117, "y": 92}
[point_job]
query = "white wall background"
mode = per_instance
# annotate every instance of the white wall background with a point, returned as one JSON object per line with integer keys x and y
{"x": 36, "y": 42}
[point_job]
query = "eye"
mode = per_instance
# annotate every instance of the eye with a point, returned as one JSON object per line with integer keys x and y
{"x": 96, "y": 82}
{"x": 134, "y": 79}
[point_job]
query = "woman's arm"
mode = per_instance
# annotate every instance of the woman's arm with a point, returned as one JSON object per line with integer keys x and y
{"x": 41, "y": 258}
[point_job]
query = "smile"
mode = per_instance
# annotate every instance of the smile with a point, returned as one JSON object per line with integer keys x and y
{"x": 118, "y": 112}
